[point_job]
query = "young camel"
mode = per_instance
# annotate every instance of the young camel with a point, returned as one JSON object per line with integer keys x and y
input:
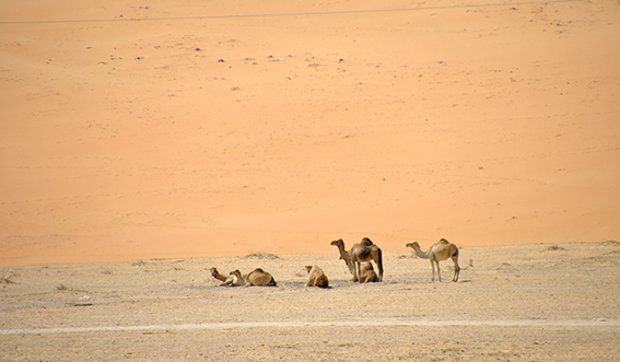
{"x": 363, "y": 251}
{"x": 441, "y": 250}
{"x": 367, "y": 273}
{"x": 235, "y": 279}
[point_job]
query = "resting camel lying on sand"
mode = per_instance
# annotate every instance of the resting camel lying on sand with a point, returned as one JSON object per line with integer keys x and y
{"x": 260, "y": 278}
{"x": 257, "y": 277}
{"x": 367, "y": 273}
{"x": 216, "y": 274}
{"x": 235, "y": 279}
{"x": 316, "y": 277}
{"x": 441, "y": 250}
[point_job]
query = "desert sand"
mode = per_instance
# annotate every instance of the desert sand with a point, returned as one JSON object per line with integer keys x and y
{"x": 143, "y": 130}
{"x": 142, "y": 143}
{"x": 538, "y": 302}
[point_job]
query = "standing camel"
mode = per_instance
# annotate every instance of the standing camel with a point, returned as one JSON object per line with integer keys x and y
{"x": 363, "y": 251}
{"x": 344, "y": 255}
{"x": 366, "y": 273}
{"x": 441, "y": 250}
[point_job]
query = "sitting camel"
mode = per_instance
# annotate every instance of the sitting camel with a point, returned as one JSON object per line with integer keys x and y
{"x": 439, "y": 251}
{"x": 316, "y": 277}
{"x": 260, "y": 278}
{"x": 235, "y": 279}
{"x": 367, "y": 273}
{"x": 216, "y": 274}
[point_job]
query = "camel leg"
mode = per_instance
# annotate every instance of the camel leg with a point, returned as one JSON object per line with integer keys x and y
{"x": 433, "y": 267}
{"x": 356, "y": 271}
{"x": 379, "y": 261}
{"x": 457, "y": 269}
{"x": 438, "y": 270}
{"x": 351, "y": 266}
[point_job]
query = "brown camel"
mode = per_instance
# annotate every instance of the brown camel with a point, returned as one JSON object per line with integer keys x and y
{"x": 260, "y": 278}
{"x": 344, "y": 255}
{"x": 316, "y": 277}
{"x": 366, "y": 250}
{"x": 441, "y": 250}
{"x": 216, "y": 274}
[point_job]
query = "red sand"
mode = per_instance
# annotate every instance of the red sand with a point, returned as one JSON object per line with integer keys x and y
{"x": 480, "y": 123}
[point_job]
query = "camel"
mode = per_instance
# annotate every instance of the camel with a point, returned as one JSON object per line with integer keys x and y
{"x": 365, "y": 250}
{"x": 216, "y": 274}
{"x": 441, "y": 250}
{"x": 367, "y": 273}
{"x": 316, "y": 277}
{"x": 260, "y": 278}
{"x": 235, "y": 279}
{"x": 344, "y": 255}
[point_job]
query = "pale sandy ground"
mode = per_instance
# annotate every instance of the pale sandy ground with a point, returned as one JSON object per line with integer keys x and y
{"x": 158, "y": 129}
{"x": 530, "y": 303}
{"x": 122, "y": 136}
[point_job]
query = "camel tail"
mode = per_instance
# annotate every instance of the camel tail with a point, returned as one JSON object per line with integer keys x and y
{"x": 380, "y": 264}
{"x": 456, "y": 252}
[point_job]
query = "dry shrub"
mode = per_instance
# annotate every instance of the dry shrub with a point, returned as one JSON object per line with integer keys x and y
{"x": 262, "y": 256}
{"x": 8, "y": 280}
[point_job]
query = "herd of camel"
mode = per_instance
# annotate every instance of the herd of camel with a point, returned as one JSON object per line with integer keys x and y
{"x": 358, "y": 260}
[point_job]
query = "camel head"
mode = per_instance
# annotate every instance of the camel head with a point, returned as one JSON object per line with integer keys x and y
{"x": 308, "y": 268}
{"x": 413, "y": 245}
{"x": 214, "y": 271}
{"x": 338, "y": 243}
{"x": 236, "y": 273}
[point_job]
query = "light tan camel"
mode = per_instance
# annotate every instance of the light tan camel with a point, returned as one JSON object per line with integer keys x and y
{"x": 441, "y": 250}
{"x": 316, "y": 277}
{"x": 367, "y": 273}
{"x": 235, "y": 279}
{"x": 344, "y": 255}
{"x": 260, "y": 278}
{"x": 366, "y": 250}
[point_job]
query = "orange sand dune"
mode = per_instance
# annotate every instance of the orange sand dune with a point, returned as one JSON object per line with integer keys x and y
{"x": 149, "y": 129}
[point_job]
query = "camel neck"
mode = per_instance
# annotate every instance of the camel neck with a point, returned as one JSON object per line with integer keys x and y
{"x": 420, "y": 253}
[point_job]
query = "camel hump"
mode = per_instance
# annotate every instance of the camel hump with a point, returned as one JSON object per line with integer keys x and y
{"x": 366, "y": 241}
{"x": 259, "y": 277}
{"x": 444, "y": 241}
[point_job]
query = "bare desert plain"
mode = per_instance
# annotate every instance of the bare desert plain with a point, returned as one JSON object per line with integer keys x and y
{"x": 143, "y": 142}
{"x": 537, "y": 302}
